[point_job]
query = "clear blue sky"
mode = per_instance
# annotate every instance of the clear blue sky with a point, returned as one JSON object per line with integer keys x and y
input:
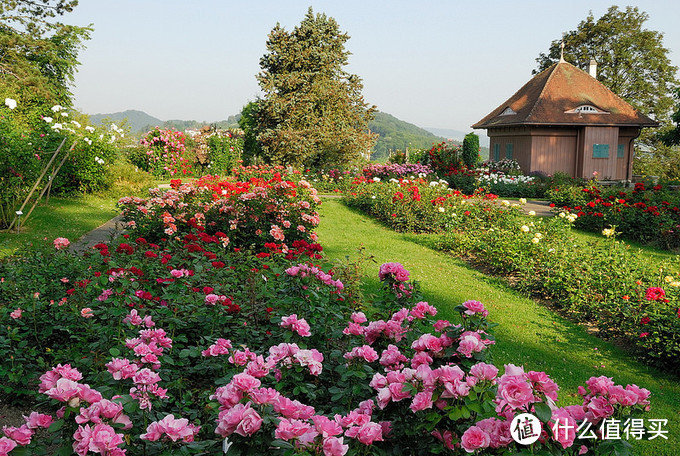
{"x": 443, "y": 64}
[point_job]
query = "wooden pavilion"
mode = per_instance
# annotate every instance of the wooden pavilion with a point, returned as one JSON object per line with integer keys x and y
{"x": 565, "y": 120}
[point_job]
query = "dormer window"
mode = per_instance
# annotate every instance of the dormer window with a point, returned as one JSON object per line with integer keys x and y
{"x": 586, "y": 109}
{"x": 508, "y": 112}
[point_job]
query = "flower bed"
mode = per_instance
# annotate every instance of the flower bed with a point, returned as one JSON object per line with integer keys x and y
{"x": 245, "y": 214}
{"x": 604, "y": 283}
{"x": 191, "y": 345}
{"x": 649, "y": 214}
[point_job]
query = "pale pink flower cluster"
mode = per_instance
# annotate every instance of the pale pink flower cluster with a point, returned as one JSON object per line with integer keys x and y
{"x": 16, "y": 313}
{"x": 422, "y": 310}
{"x": 277, "y": 233}
{"x": 220, "y": 347}
{"x": 393, "y": 270}
{"x": 100, "y": 438}
{"x": 136, "y": 320}
{"x": 171, "y": 428}
{"x": 304, "y": 270}
{"x": 517, "y": 390}
{"x": 211, "y": 299}
{"x": 365, "y": 352}
{"x": 61, "y": 243}
{"x": 299, "y": 326}
{"x": 289, "y": 354}
{"x": 61, "y": 383}
{"x": 475, "y": 307}
{"x": 397, "y": 277}
{"x": 147, "y": 347}
{"x": 392, "y": 359}
{"x": 445, "y": 382}
{"x": 603, "y": 396}
{"x": 392, "y": 329}
{"x": 472, "y": 342}
{"x": 104, "y": 409}
{"x": 23, "y": 434}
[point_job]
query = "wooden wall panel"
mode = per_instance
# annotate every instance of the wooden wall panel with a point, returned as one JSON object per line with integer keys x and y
{"x": 605, "y": 167}
{"x": 551, "y": 154}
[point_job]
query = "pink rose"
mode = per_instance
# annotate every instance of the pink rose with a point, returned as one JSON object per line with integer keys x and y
{"x": 291, "y": 429}
{"x": 421, "y": 401}
{"x": 515, "y": 391}
{"x": 333, "y": 446}
{"x": 61, "y": 243}
{"x": 15, "y": 314}
{"x": 21, "y": 435}
{"x": 6, "y": 445}
{"x": 474, "y": 438}
{"x": 474, "y": 307}
{"x": 250, "y": 423}
{"x": 484, "y": 371}
{"x": 38, "y": 420}
{"x": 366, "y": 433}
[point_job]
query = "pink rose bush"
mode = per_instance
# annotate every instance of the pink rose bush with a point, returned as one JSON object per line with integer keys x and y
{"x": 206, "y": 338}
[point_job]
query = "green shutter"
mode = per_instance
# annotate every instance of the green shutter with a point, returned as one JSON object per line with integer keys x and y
{"x": 600, "y": 150}
{"x": 620, "y": 151}
{"x": 508, "y": 151}
{"x": 496, "y": 152}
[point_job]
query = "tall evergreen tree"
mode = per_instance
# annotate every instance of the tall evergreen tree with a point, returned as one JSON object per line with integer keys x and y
{"x": 631, "y": 60}
{"x": 312, "y": 112}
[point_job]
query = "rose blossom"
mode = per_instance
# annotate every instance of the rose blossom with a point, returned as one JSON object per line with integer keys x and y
{"x": 474, "y": 438}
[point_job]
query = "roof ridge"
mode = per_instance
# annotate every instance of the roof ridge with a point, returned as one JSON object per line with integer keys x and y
{"x": 552, "y": 67}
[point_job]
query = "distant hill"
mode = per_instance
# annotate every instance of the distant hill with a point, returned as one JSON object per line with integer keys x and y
{"x": 141, "y": 122}
{"x": 136, "y": 120}
{"x": 458, "y": 135}
{"x": 395, "y": 134}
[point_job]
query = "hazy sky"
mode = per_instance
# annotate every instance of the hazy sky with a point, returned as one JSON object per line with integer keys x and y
{"x": 443, "y": 64}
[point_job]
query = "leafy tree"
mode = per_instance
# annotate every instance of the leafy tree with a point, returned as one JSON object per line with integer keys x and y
{"x": 248, "y": 123}
{"x": 631, "y": 60}
{"x": 38, "y": 56}
{"x": 671, "y": 137}
{"x": 312, "y": 111}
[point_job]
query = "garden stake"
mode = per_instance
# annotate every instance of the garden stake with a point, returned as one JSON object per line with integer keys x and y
{"x": 51, "y": 176}
{"x": 56, "y": 152}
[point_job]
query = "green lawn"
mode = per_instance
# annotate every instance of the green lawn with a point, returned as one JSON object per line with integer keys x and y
{"x": 62, "y": 217}
{"x": 529, "y": 334}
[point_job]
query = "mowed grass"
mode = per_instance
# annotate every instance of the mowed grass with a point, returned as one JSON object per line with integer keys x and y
{"x": 62, "y": 217}
{"x": 528, "y": 333}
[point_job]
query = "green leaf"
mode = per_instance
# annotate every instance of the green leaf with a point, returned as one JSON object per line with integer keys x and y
{"x": 54, "y": 427}
{"x": 543, "y": 412}
{"x": 281, "y": 444}
{"x": 114, "y": 352}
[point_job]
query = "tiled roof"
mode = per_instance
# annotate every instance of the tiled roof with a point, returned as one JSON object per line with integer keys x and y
{"x": 547, "y": 98}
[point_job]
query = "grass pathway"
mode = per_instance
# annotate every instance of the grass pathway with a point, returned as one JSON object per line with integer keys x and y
{"x": 529, "y": 334}
{"x": 62, "y": 217}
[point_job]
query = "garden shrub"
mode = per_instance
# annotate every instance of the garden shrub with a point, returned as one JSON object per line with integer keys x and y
{"x": 166, "y": 153}
{"x": 600, "y": 283}
{"x": 648, "y": 213}
{"x": 224, "y": 152}
{"x": 193, "y": 345}
{"x": 470, "y": 154}
{"x": 27, "y": 146}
